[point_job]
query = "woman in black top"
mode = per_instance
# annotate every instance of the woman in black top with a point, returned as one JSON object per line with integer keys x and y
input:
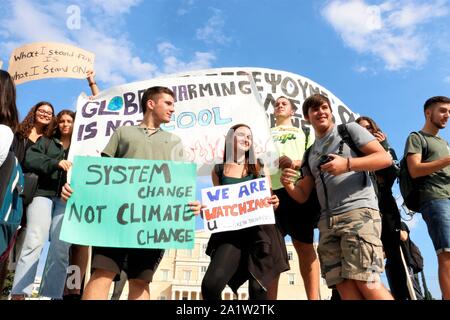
{"x": 257, "y": 253}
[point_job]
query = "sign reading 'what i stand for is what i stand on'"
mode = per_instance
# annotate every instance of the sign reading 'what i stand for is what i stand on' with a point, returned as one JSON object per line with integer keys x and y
{"x": 41, "y": 60}
{"x": 128, "y": 203}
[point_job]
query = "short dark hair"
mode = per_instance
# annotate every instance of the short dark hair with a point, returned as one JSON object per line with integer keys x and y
{"x": 316, "y": 100}
{"x": 435, "y": 100}
{"x": 293, "y": 106}
{"x": 151, "y": 94}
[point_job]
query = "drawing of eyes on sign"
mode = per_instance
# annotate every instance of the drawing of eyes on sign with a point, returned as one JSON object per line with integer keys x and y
{"x": 42, "y": 60}
{"x": 207, "y": 104}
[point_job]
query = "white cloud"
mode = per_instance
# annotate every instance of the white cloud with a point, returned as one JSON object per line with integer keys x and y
{"x": 115, "y": 61}
{"x": 31, "y": 23}
{"x": 166, "y": 48}
{"x": 201, "y": 60}
{"x": 361, "y": 69}
{"x": 213, "y": 31}
{"x": 115, "y": 7}
{"x": 185, "y": 8}
{"x": 388, "y": 30}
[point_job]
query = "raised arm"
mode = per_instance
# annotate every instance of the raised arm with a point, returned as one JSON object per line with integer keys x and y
{"x": 90, "y": 77}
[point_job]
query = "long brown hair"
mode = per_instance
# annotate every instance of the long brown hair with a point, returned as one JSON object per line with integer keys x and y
{"x": 55, "y": 132}
{"x": 251, "y": 164}
{"x": 28, "y": 123}
{"x": 372, "y": 123}
{"x": 8, "y": 109}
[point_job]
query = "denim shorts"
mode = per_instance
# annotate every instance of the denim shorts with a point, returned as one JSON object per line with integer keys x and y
{"x": 436, "y": 214}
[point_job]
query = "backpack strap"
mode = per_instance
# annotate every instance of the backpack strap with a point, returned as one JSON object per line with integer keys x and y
{"x": 347, "y": 139}
{"x": 305, "y": 163}
{"x": 424, "y": 144}
{"x": 307, "y": 132}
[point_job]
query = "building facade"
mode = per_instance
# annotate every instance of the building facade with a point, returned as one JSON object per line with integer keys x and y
{"x": 180, "y": 273}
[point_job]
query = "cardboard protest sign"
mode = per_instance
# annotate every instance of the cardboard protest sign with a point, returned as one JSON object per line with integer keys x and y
{"x": 42, "y": 60}
{"x": 237, "y": 206}
{"x": 205, "y": 108}
{"x": 128, "y": 203}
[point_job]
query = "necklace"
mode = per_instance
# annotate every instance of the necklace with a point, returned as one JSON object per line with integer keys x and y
{"x": 149, "y": 131}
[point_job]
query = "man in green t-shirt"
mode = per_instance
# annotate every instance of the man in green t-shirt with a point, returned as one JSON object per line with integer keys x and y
{"x": 435, "y": 189}
{"x": 146, "y": 141}
{"x": 292, "y": 218}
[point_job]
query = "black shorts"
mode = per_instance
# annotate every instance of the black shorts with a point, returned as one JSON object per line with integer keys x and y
{"x": 297, "y": 220}
{"x": 140, "y": 263}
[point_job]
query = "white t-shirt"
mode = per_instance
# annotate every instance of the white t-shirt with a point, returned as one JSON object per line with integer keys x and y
{"x": 6, "y": 138}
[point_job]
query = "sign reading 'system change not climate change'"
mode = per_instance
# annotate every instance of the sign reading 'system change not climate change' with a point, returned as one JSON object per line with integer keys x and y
{"x": 237, "y": 206}
{"x": 42, "y": 60}
{"x": 128, "y": 203}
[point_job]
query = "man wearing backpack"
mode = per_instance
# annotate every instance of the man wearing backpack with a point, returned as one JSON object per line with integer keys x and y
{"x": 434, "y": 190}
{"x": 350, "y": 249}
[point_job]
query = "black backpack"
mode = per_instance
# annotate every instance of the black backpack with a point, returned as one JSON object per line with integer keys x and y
{"x": 409, "y": 187}
{"x": 415, "y": 259}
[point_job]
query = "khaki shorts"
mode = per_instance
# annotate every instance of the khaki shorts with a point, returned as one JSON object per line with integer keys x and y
{"x": 351, "y": 248}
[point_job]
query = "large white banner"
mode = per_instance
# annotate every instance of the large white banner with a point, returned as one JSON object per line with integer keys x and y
{"x": 205, "y": 108}
{"x": 208, "y": 103}
{"x": 274, "y": 83}
{"x": 237, "y": 206}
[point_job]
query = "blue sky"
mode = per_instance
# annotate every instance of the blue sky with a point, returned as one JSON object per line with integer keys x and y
{"x": 381, "y": 58}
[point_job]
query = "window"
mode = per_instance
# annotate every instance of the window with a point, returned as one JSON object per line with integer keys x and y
{"x": 187, "y": 275}
{"x": 203, "y": 250}
{"x": 290, "y": 256}
{"x": 202, "y": 271}
{"x": 165, "y": 275}
{"x": 291, "y": 279}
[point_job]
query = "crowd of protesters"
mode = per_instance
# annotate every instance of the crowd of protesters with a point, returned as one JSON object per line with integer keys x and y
{"x": 337, "y": 178}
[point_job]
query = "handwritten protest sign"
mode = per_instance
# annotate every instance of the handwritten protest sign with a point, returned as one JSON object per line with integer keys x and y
{"x": 205, "y": 108}
{"x": 237, "y": 206}
{"x": 130, "y": 203}
{"x": 42, "y": 60}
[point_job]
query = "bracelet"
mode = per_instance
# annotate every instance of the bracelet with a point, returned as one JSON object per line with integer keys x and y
{"x": 349, "y": 168}
{"x": 92, "y": 83}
